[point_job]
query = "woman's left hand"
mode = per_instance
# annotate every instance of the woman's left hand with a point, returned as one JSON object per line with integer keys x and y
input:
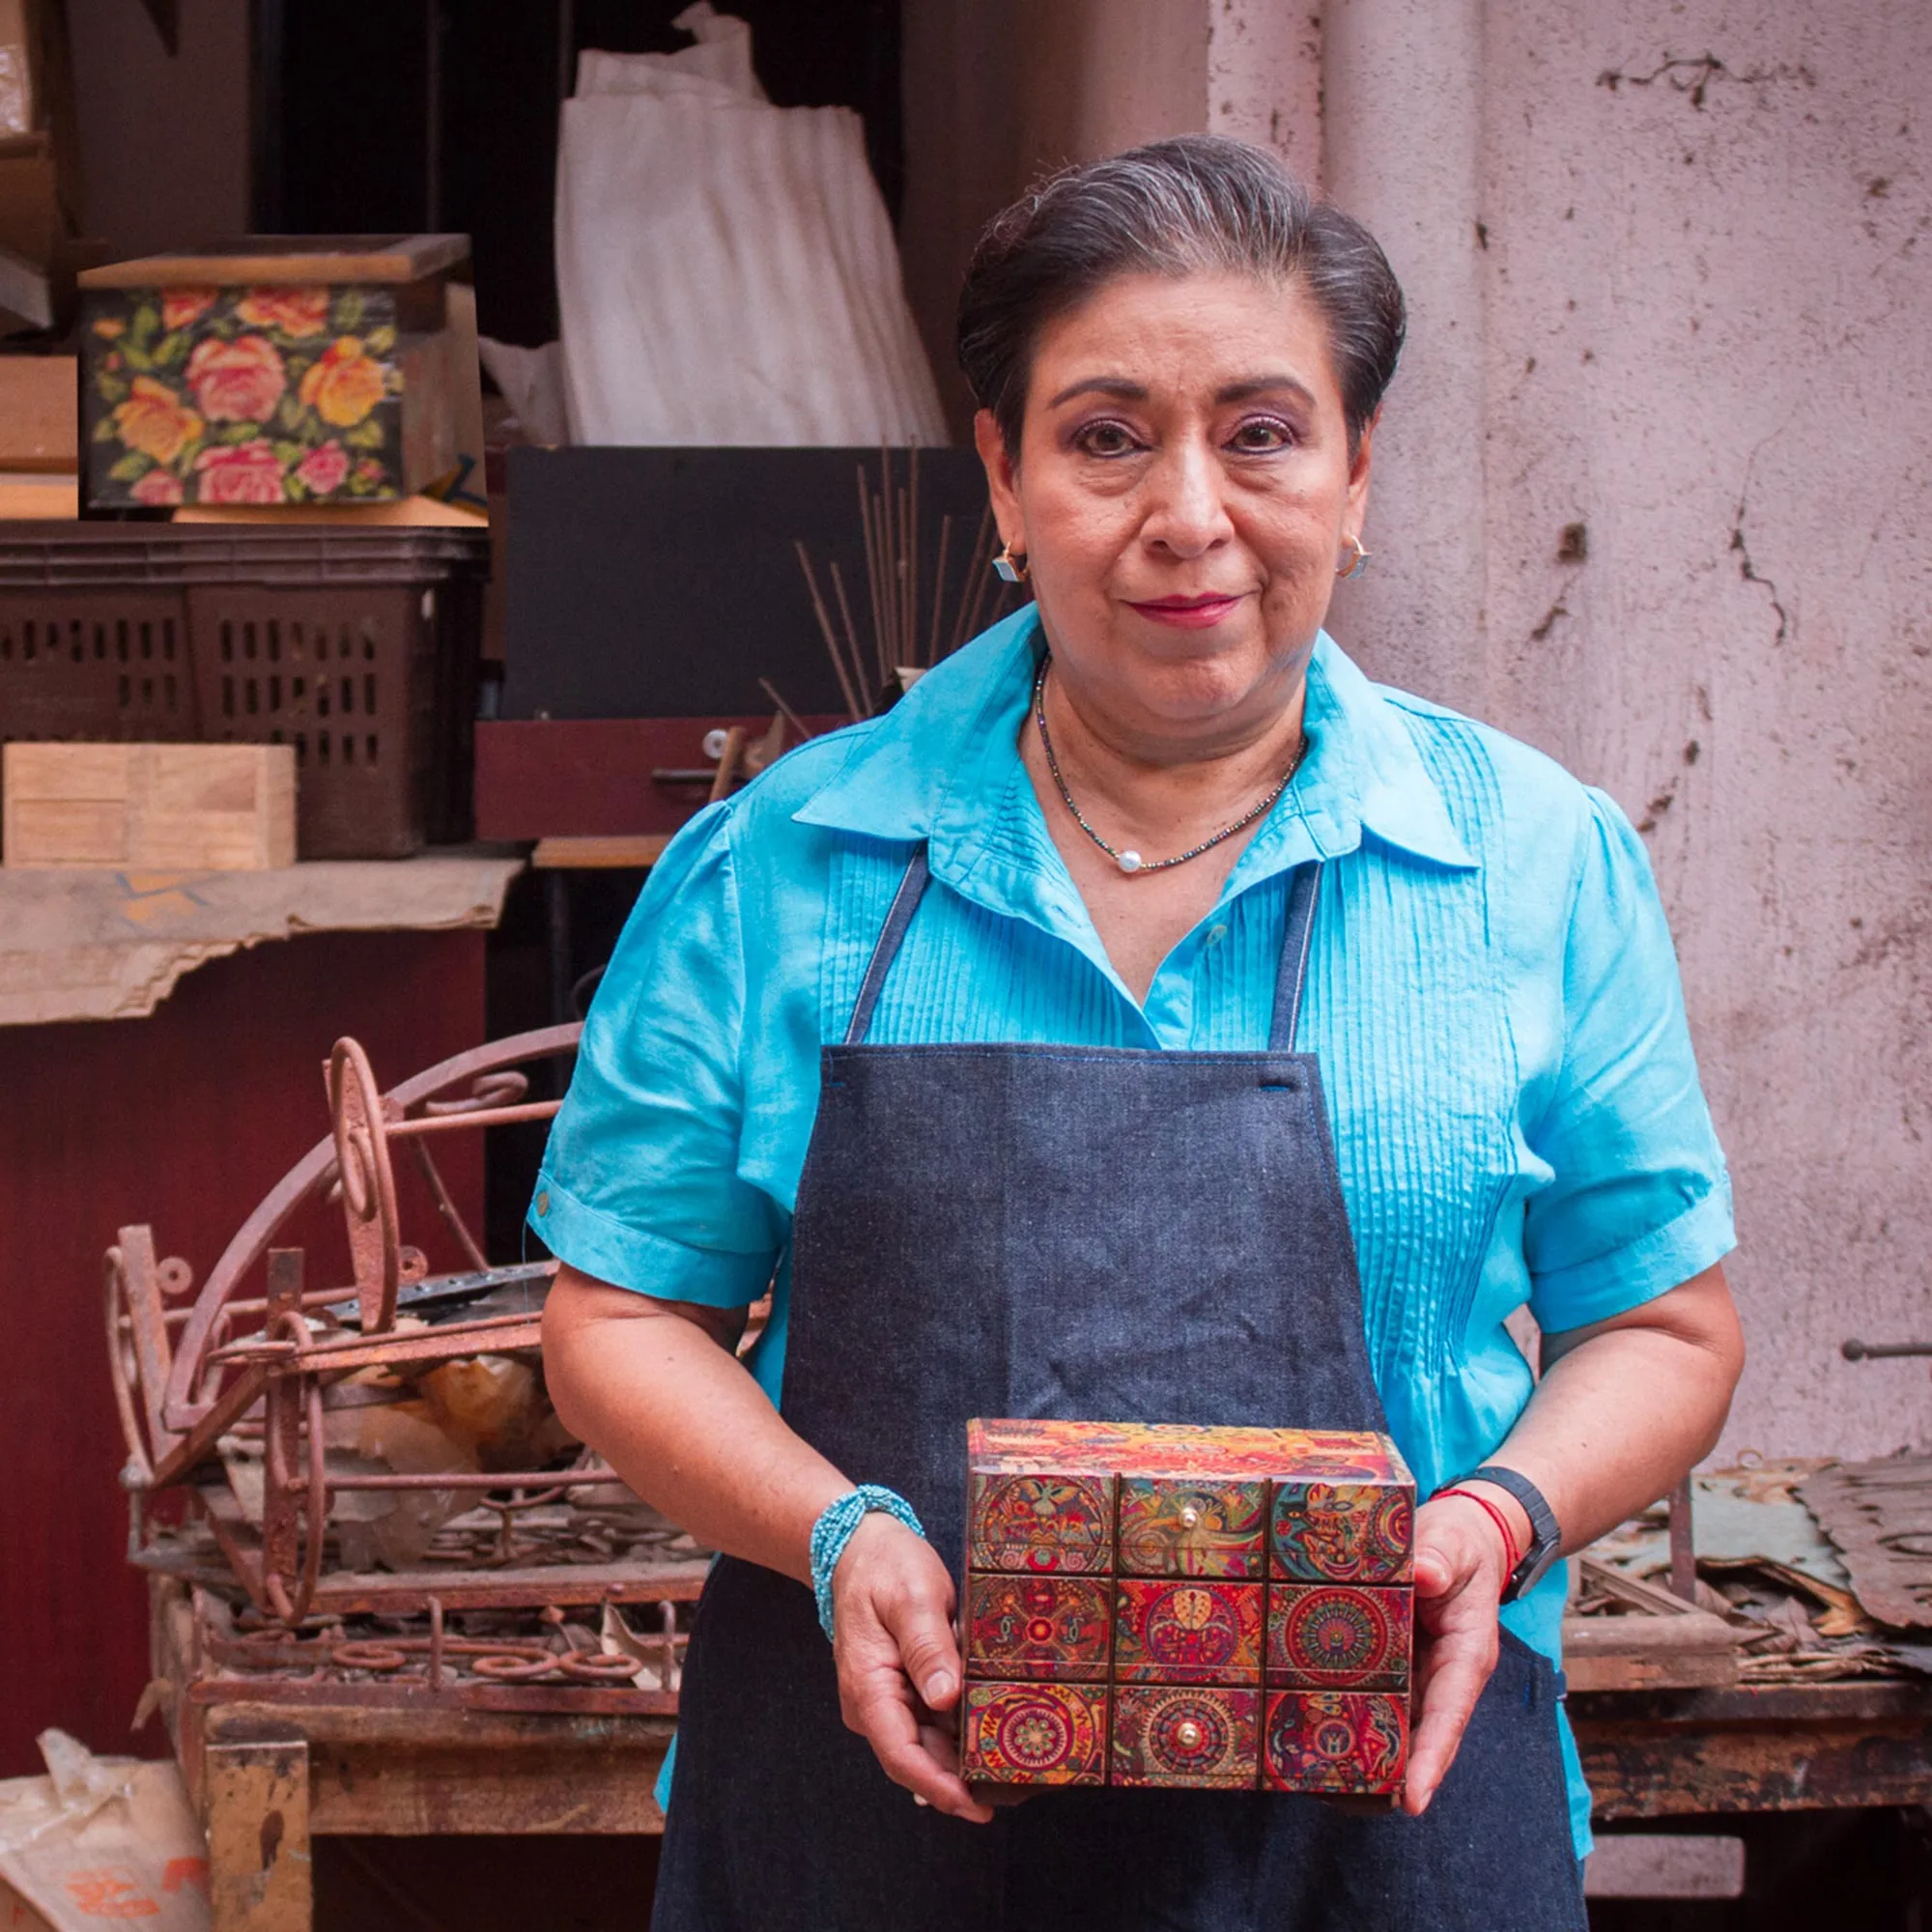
{"x": 1461, "y": 1568}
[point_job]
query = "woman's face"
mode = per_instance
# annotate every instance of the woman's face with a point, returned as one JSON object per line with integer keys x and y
{"x": 1185, "y": 495}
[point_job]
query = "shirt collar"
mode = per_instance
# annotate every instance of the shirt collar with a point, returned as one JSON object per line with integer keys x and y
{"x": 943, "y": 765}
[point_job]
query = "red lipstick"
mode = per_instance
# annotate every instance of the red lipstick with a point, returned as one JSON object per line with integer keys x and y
{"x": 1189, "y": 614}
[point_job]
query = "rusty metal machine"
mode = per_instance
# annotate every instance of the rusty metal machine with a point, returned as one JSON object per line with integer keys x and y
{"x": 355, "y": 1489}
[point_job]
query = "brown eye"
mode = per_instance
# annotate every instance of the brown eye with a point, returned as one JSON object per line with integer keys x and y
{"x": 1104, "y": 439}
{"x": 1259, "y": 436}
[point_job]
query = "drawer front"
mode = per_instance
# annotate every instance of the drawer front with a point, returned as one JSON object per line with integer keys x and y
{"x": 1191, "y": 1632}
{"x": 1187, "y": 1736}
{"x": 1039, "y": 1524}
{"x": 1172, "y": 1527}
{"x": 1342, "y": 1533}
{"x": 1339, "y": 1636}
{"x": 1034, "y": 1734}
{"x": 1347, "y": 1741}
{"x": 1020, "y": 1627}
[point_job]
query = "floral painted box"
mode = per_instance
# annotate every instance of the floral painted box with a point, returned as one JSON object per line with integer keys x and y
{"x": 1233, "y": 1607}
{"x": 274, "y": 372}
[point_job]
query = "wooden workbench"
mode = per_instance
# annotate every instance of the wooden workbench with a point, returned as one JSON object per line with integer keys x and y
{"x": 182, "y": 1118}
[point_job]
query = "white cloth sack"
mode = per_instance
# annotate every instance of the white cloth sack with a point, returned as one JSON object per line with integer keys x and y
{"x": 726, "y": 270}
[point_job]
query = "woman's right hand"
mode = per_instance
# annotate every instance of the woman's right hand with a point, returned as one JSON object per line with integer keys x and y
{"x": 899, "y": 1665}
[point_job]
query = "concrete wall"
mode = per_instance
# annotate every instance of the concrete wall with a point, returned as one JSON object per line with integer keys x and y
{"x": 1652, "y": 493}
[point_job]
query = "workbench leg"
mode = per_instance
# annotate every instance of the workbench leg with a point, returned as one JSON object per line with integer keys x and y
{"x": 258, "y": 1844}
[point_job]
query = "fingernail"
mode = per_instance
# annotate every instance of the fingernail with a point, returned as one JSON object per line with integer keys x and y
{"x": 938, "y": 1686}
{"x": 927, "y": 1802}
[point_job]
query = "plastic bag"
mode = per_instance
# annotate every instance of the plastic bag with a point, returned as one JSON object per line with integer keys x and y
{"x": 726, "y": 272}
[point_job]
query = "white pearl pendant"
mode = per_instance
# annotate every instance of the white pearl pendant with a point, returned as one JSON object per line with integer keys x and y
{"x": 1129, "y": 862}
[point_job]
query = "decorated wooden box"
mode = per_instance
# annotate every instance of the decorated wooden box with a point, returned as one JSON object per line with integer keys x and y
{"x": 1217, "y": 1608}
{"x": 278, "y": 370}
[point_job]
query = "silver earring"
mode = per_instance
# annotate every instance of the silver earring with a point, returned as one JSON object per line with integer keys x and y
{"x": 1009, "y": 568}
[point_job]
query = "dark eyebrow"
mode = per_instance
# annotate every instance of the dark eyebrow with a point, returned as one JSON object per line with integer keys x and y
{"x": 1128, "y": 391}
{"x": 1263, "y": 386}
{"x": 1102, "y": 386}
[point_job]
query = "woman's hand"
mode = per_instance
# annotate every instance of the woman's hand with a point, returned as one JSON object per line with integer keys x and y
{"x": 899, "y": 1665}
{"x": 1461, "y": 1568}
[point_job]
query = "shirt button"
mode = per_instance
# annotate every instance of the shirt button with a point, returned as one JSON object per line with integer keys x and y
{"x": 1215, "y": 935}
{"x": 543, "y": 1202}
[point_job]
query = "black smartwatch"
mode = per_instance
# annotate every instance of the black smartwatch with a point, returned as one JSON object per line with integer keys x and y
{"x": 1546, "y": 1539}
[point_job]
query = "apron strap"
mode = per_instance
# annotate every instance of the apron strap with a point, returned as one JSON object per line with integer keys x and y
{"x": 1297, "y": 928}
{"x": 906, "y": 902}
{"x": 1297, "y": 931}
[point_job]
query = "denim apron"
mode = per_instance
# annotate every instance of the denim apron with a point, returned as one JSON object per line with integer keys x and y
{"x": 1079, "y": 1232}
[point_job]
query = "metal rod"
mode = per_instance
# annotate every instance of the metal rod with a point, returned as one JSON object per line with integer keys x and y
{"x": 1683, "y": 1551}
{"x": 476, "y": 1479}
{"x": 1855, "y": 1350}
{"x": 483, "y": 1116}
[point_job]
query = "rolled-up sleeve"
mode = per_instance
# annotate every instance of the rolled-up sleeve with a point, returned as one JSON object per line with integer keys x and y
{"x": 641, "y": 1184}
{"x": 1639, "y": 1200}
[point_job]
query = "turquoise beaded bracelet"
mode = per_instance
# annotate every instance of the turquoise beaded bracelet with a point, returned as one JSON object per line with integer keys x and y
{"x": 833, "y": 1531}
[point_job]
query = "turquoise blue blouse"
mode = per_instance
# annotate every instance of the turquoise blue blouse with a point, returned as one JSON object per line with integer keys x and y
{"x": 1491, "y": 992}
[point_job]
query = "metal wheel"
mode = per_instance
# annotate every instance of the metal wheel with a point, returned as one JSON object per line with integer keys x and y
{"x": 368, "y": 1183}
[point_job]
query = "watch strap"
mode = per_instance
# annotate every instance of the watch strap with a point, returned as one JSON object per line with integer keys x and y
{"x": 1545, "y": 1536}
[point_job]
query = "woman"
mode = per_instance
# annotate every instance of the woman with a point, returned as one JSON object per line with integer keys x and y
{"x": 1150, "y": 950}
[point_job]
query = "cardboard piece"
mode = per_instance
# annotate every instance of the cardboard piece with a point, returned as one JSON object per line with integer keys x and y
{"x": 100, "y": 1838}
{"x": 38, "y": 405}
{"x": 99, "y": 945}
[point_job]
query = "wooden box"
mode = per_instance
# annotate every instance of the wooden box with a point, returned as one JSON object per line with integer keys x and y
{"x": 151, "y": 808}
{"x": 38, "y": 405}
{"x": 1211, "y": 1608}
{"x": 281, "y": 370}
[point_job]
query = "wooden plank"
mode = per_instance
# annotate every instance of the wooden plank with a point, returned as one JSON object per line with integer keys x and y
{"x": 1659, "y": 1641}
{"x": 414, "y": 1790}
{"x": 260, "y": 1876}
{"x": 289, "y": 259}
{"x": 39, "y": 412}
{"x": 592, "y": 855}
{"x": 56, "y": 500}
{"x": 1643, "y": 1769}
{"x": 1680, "y": 1670}
{"x": 154, "y": 807}
{"x": 432, "y": 1725}
{"x": 568, "y": 1586}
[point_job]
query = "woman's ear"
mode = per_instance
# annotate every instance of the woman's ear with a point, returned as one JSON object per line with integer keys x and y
{"x": 1358, "y": 466}
{"x": 1001, "y": 479}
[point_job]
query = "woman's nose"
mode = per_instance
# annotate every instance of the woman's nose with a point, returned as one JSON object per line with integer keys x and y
{"x": 1186, "y": 512}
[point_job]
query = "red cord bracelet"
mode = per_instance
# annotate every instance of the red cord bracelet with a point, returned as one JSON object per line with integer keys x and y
{"x": 1495, "y": 1515}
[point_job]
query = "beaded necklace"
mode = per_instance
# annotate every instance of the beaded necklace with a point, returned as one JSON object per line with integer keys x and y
{"x": 1130, "y": 861}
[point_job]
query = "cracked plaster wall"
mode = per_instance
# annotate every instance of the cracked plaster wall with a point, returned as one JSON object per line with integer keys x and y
{"x": 1652, "y": 493}
{"x": 1707, "y": 381}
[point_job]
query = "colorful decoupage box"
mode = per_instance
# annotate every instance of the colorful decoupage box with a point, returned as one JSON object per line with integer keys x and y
{"x": 1220, "y": 1609}
{"x": 275, "y": 369}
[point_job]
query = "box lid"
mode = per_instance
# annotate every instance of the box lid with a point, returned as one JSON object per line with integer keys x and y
{"x": 1017, "y": 1447}
{"x": 266, "y": 258}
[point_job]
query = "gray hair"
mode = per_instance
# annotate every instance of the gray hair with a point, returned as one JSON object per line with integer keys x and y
{"x": 1172, "y": 208}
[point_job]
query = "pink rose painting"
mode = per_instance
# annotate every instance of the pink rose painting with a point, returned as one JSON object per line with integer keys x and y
{"x": 242, "y": 395}
{"x": 322, "y": 470}
{"x": 181, "y": 306}
{"x": 236, "y": 382}
{"x": 158, "y": 490}
{"x": 241, "y": 473}
{"x": 295, "y": 311}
